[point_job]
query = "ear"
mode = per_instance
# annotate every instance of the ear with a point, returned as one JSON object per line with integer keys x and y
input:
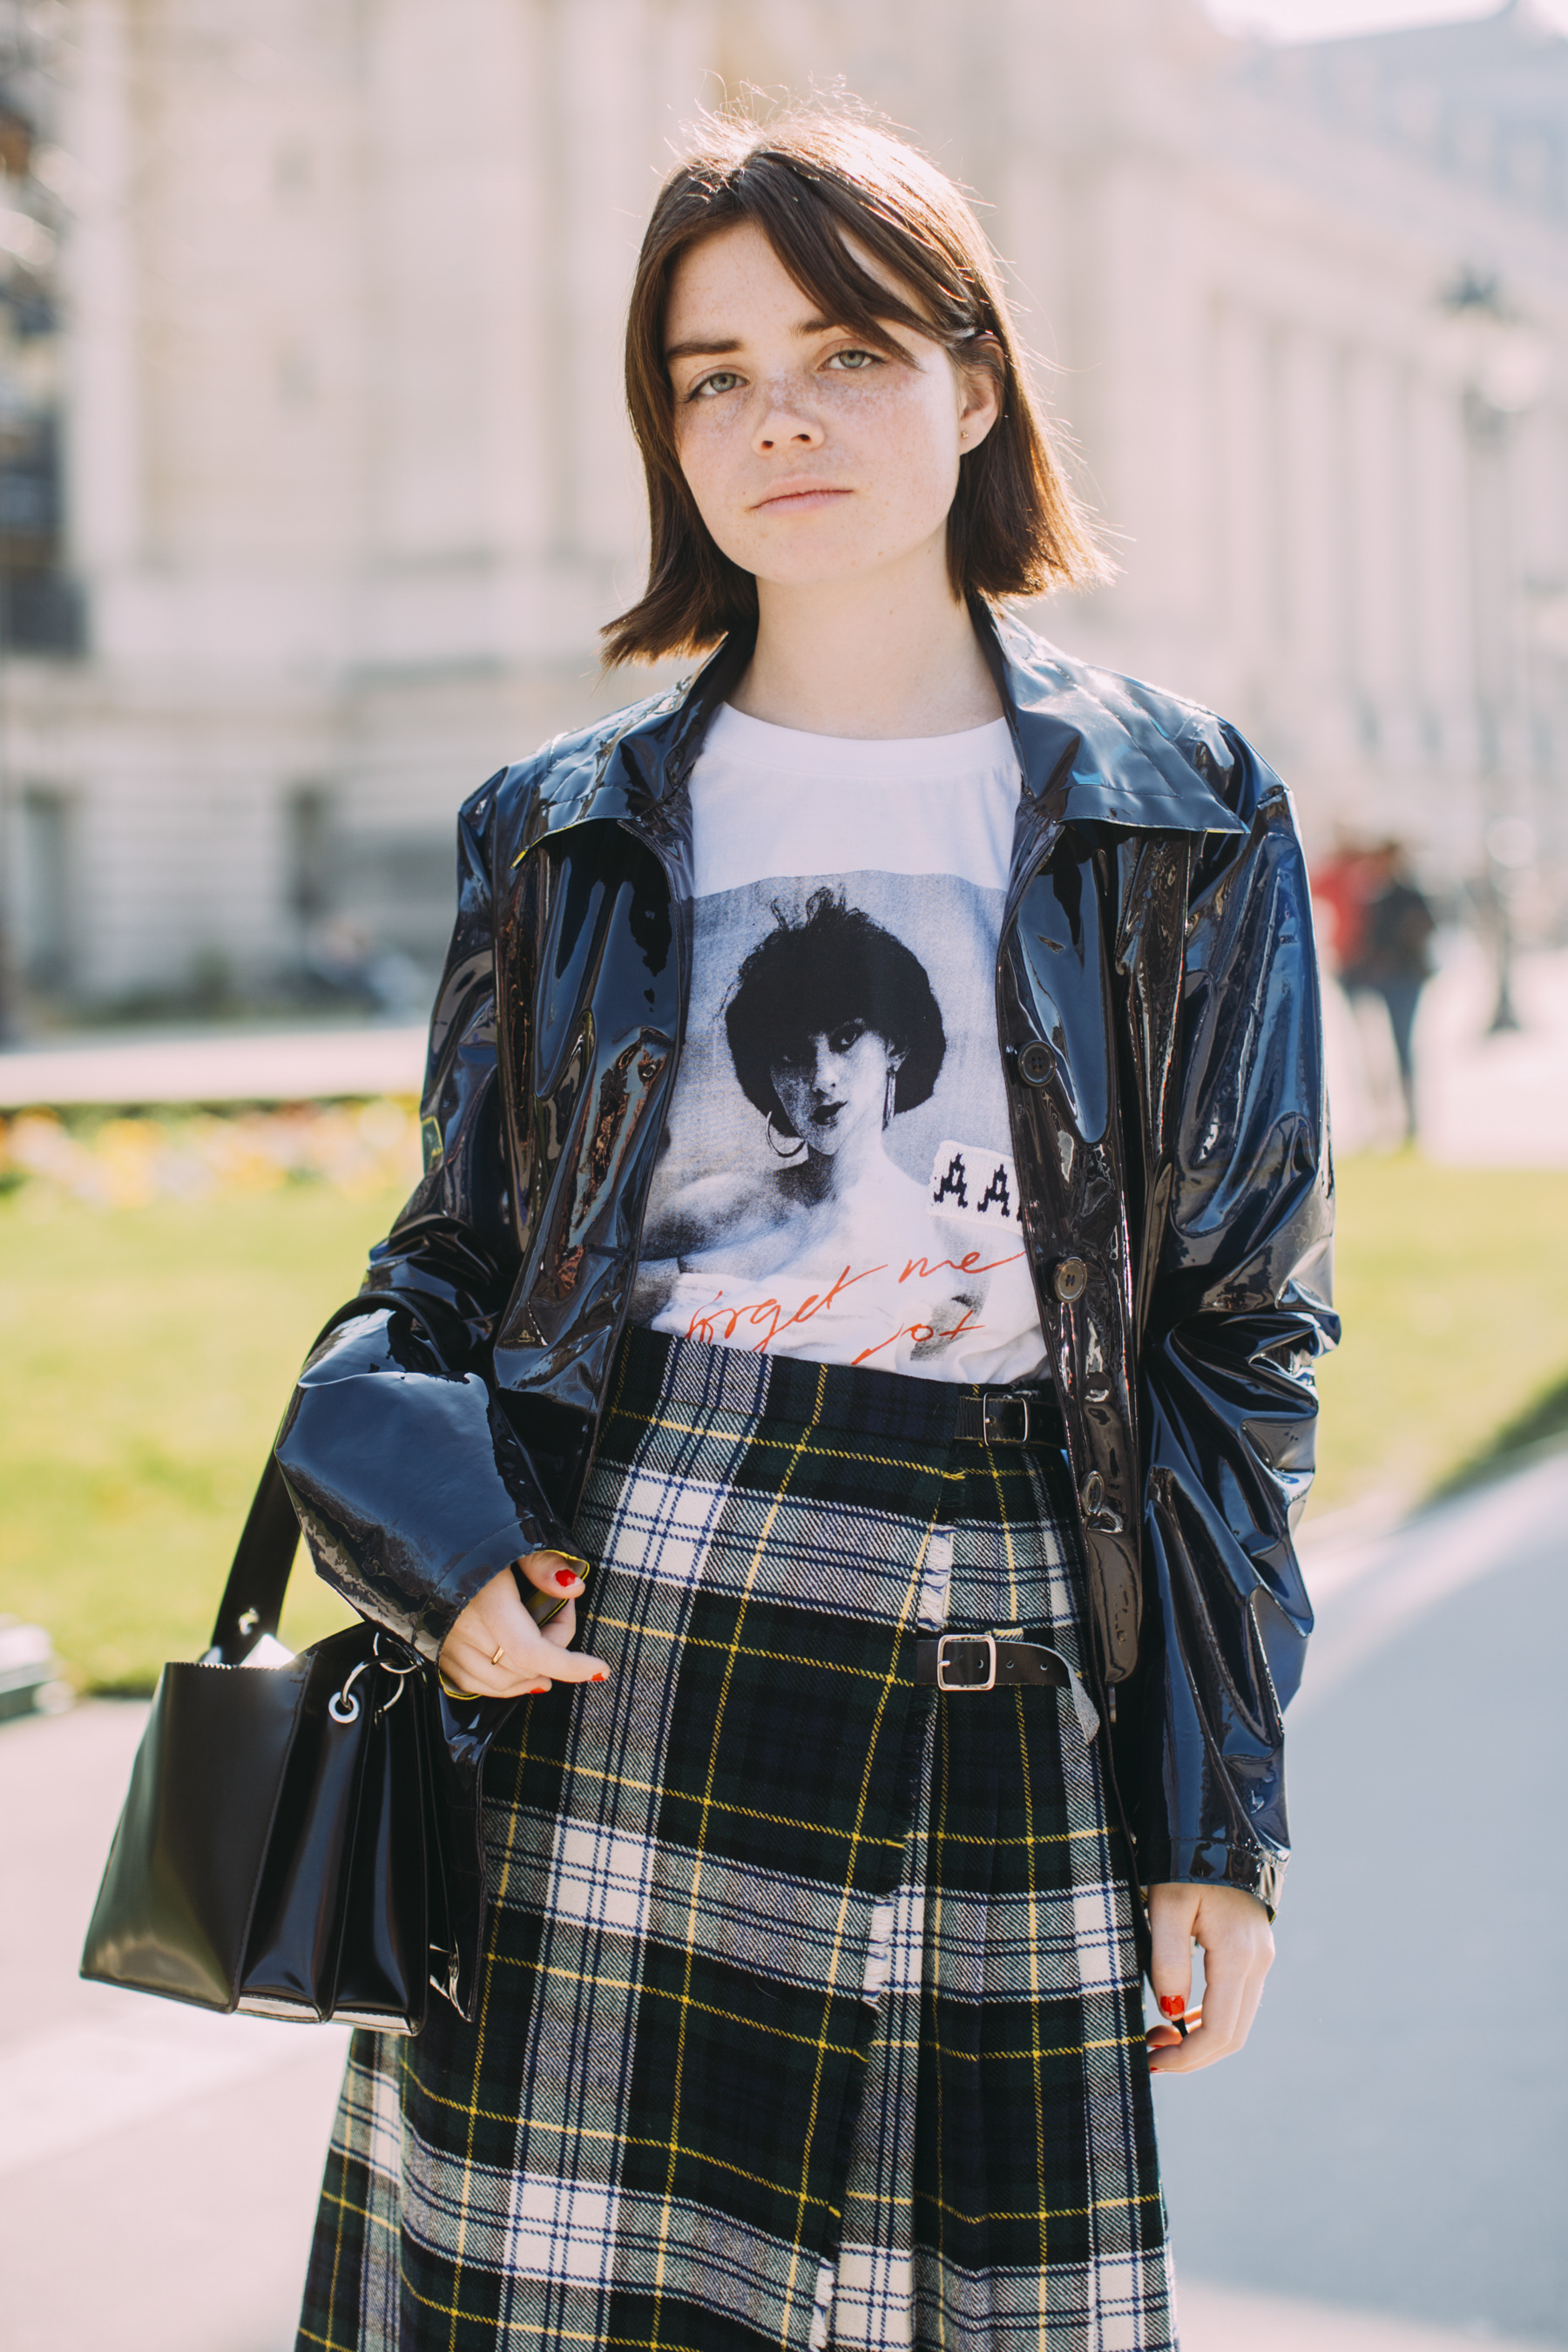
{"x": 979, "y": 373}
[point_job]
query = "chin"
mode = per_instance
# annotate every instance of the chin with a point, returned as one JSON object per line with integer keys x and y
{"x": 815, "y": 558}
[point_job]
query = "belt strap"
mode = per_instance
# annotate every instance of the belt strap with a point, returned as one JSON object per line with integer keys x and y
{"x": 1010, "y": 1417}
{"x": 979, "y": 1662}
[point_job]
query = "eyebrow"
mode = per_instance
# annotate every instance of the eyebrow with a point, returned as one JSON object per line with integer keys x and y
{"x": 704, "y": 347}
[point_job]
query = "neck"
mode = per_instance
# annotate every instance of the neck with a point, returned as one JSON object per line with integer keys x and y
{"x": 884, "y": 657}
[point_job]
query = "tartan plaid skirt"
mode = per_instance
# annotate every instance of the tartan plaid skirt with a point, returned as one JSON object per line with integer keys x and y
{"x": 811, "y": 2012}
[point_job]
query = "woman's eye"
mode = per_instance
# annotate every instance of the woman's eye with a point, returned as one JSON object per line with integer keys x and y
{"x": 848, "y": 1033}
{"x": 855, "y": 362}
{"x": 710, "y": 386}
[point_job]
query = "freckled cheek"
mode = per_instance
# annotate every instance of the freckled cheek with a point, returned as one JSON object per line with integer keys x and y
{"x": 708, "y": 459}
{"x": 912, "y": 458}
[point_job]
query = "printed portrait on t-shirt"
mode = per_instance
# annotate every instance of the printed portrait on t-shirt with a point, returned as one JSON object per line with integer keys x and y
{"x": 835, "y": 1180}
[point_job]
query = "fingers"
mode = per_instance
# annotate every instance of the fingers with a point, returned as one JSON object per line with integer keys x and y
{"x": 1252, "y": 1997}
{"x": 496, "y": 1651}
{"x": 562, "y": 1630}
{"x": 1172, "y": 1910}
{"x": 552, "y": 1572}
{"x": 1238, "y": 1951}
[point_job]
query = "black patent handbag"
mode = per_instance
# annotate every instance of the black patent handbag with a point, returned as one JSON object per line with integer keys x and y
{"x": 280, "y": 1848}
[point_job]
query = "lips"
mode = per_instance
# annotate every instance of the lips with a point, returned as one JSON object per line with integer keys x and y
{"x": 801, "y": 494}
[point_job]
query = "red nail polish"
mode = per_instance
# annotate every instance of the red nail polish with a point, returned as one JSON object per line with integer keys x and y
{"x": 566, "y": 1576}
{"x": 595, "y": 1678}
{"x": 1171, "y": 2004}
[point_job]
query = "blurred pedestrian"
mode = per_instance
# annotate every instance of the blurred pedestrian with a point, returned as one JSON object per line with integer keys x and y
{"x": 832, "y": 1050}
{"x": 1392, "y": 957}
{"x": 1341, "y": 885}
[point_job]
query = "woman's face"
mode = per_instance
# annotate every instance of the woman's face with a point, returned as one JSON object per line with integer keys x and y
{"x": 833, "y": 1085}
{"x": 811, "y": 457}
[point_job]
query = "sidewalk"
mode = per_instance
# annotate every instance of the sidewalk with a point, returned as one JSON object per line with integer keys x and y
{"x": 158, "y": 2168}
{"x": 1393, "y": 2137}
{"x": 215, "y": 1067}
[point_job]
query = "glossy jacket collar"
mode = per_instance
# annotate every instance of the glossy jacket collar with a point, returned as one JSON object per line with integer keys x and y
{"x": 1095, "y": 748}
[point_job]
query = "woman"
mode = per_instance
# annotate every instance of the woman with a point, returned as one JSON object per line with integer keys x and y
{"x": 911, "y": 1712}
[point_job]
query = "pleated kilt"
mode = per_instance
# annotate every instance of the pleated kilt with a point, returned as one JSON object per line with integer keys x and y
{"x": 810, "y": 2011}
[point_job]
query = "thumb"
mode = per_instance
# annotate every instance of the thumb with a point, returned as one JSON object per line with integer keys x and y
{"x": 1172, "y": 1912}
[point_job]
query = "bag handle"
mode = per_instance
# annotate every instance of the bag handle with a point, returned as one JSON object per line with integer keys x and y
{"x": 252, "y": 1600}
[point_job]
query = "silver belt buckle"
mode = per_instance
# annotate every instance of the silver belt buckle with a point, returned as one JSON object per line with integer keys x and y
{"x": 962, "y": 1689}
{"x": 991, "y": 1434}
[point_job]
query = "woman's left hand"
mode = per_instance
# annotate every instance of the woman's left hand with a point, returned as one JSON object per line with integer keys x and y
{"x": 496, "y": 1651}
{"x": 1238, "y": 1952}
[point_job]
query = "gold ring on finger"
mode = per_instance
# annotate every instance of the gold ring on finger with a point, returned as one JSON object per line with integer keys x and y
{"x": 499, "y": 1654}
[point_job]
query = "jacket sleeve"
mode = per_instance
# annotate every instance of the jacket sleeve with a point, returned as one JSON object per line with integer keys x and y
{"x": 1239, "y": 1309}
{"x": 411, "y": 1487}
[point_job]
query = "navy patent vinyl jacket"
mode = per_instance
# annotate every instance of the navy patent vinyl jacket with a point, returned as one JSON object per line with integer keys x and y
{"x": 1158, "y": 1019}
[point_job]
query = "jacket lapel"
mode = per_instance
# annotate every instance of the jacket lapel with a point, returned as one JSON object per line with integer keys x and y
{"x": 1097, "y": 749}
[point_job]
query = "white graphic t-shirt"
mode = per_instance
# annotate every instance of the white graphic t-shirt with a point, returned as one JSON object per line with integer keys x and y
{"x": 836, "y": 1179}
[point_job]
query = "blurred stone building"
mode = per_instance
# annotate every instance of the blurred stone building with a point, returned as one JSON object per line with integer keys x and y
{"x": 314, "y": 485}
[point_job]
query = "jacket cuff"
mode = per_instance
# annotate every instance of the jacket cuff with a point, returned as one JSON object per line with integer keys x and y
{"x": 1213, "y": 1862}
{"x": 421, "y": 1614}
{"x": 446, "y": 1602}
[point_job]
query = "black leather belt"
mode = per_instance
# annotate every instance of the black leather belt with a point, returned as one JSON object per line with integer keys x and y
{"x": 979, "y": 1662}
{"x": 1010, "y": 1417}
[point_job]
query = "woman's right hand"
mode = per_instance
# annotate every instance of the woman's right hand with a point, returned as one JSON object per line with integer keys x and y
{"x": 496, "y": 1651}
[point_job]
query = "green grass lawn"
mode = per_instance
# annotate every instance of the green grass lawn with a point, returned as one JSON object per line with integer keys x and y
{"x": 1453, "y": 1284}
{"x": 147, "y": 1354}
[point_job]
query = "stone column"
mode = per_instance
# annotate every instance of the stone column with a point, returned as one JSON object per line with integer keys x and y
{"x": 1312, "y": 571}
{"x": 1246, "y": 519}
{"x": 1378, "y": 500}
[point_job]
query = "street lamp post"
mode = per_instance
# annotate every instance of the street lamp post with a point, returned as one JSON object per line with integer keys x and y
{"x": 1503, "y": 364}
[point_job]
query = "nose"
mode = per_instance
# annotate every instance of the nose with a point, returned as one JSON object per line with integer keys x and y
{"x": 786, "y": 422}
{"x": 824, "y": 1073}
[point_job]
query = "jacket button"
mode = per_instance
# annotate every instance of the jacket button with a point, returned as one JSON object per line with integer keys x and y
{"x": 1035, "y": 1065}
{"x": 1091, "y": 1494}
{"x": 1070, "y": 1279}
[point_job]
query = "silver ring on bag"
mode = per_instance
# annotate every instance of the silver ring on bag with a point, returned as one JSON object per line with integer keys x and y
{"x": 342, "y": 1707}
{"x": 387, "y": 1668}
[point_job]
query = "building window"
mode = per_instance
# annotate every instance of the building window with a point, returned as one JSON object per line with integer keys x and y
{"x": 312, "y": 854}
{"x": 46, "y": 943}
{"x": 41, "y": 604}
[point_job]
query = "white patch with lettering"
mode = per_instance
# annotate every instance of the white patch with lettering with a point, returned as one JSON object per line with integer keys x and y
{"x": 981, "y": 1186}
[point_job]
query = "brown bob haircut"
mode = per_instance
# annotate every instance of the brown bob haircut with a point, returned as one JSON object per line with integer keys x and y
{"x": 809, "y": 179}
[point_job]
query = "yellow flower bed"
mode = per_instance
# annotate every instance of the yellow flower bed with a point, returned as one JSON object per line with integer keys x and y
{"x": 129, "y": 1162}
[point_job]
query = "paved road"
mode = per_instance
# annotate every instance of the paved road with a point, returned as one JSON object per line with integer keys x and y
{"x": 1384, "y": 2172}
{"x": 158, "y": 2168}
{"x": 1395, "y": 2138}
